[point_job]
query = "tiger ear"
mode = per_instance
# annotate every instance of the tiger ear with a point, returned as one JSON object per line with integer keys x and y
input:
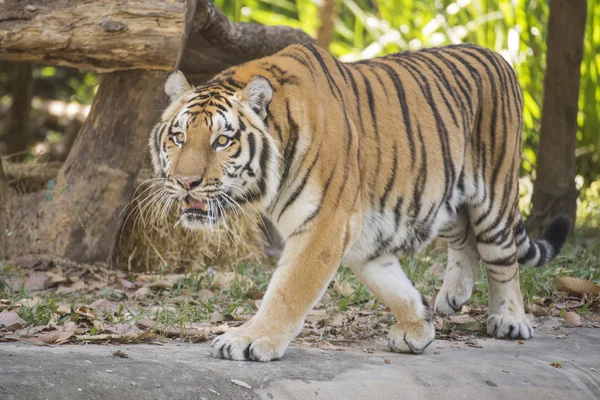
{"x": 258, "y": 93}
{"x": 176, "y": 85}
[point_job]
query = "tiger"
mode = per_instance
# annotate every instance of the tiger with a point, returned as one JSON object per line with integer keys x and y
{"x": 355, "y": 163}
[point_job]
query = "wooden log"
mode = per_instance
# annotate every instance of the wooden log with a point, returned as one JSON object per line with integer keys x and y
{"x": 79, "y": 216}
{"x": 99, "y": 35}
{"x": 215, "y": 43}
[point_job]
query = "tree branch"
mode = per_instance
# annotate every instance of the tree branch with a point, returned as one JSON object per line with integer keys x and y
{"x": 216, "y": 43}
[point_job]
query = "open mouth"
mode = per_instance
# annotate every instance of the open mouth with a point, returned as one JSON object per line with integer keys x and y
{"x": 201, "y": 210}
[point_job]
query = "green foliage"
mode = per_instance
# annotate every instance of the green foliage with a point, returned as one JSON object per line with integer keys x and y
{"x": 514, "y": 28}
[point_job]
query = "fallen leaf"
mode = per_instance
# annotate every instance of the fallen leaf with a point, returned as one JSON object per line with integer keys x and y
{"x": 386, "y": 361}
{"x": 537, "y": 310}
{"x": 55, "y": 277}
{"x": 217, "y": 330}
{"x": 572, "y": 318}
{"x": 241, "y": 383}
{"x": 439, "y": 323}
{"x": 141, "y": 293}
{"x": 569, "y": 284}
{"x": 11, "y": 321}
{"x": 68, "y": 289}
{"x": 103, "y": 305}
{"x": 205, "y": 295}
{"x": 556, "y": 364}
{"x": 70, "y": 326}
{"x": 55, "y": 337}
{"x": 343, "y": 289}
{"x": 36, "y": 281}
{"x": 167, "y": 282}
{"x": 64, "y": 309}
{"x": 216, "y": 317}
{"x": 124, "y": 283}
{"x": 85, "y": 311}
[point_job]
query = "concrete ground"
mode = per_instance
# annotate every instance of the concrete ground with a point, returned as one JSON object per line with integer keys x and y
{"x": 449, "y": 370}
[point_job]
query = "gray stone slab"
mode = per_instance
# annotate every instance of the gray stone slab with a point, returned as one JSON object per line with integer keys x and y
{"x": 448, "y": 370}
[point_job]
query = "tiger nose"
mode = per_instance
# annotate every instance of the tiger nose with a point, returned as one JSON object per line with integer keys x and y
{"x": 188, "y": 183}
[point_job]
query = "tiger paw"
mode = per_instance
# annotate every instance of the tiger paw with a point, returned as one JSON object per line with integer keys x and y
{"x": 449, "y": 302}
{"x": 456, "y": 291}
{"x": 246, "y": 345}
{"x": 411, "y": 337}
{"x": 509, "y": 326}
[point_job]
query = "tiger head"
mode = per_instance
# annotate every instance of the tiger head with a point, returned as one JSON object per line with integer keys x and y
{"x": 212, "y": 150}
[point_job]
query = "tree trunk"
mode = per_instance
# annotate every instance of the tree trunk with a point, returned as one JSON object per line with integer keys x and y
{"x": 554, "y": 191}
{"x": 327, "y": 16}
{"x": 99, "y": 35}
{"x": 17, "y": 132}
{"x": 79, "y": 216}
{"x": 4, "y": 206}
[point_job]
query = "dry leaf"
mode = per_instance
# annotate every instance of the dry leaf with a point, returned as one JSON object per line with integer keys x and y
{"x": 572, "y": 318}
{"x": 55, "y": 337}
{"x": 64, "y": 309}
{"x": 70, "y": 326}
{"x": 68, "y": 289}
{"x": 141, "y": 293}
{"x": 124, "y": 283}
{"x": 36, "y": 281}
{"x": 343, "y": 289}
{"x": 241, "y": 383}
{"x": 103, "y": 305}
{"x": 11, "y": 321}
{"x": 217, "y": 330}
{"x": 569, "y": 284}
{"x": 167, "y": 282}
{"x": 85, "y": 311}
{"x": 55, "y": 277}
{"x": 216, "y": 317}
{"x": 538, "y": 310}
{"x": 205, "y": 295}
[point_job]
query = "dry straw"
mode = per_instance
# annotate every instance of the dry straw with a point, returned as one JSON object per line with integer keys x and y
{"x": 149, "y": 244}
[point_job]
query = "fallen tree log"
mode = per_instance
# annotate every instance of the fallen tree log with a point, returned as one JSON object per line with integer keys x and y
{"x": 100, "y": 35}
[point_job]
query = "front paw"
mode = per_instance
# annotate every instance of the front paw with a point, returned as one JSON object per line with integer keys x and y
{"x": 411, "y": 337}
{"x": 248, "y": 345}
{"x": 509, "y": 326}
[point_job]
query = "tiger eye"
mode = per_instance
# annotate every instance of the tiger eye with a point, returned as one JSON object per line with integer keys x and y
{"x": 180, "y": 137}
{"x": 222, "y": 140}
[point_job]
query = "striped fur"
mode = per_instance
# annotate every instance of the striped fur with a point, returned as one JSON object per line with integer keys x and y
{"x": 354, "y": 163}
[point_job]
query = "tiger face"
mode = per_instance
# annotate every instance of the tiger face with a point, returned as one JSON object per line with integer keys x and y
{"x": 211, "y": 148}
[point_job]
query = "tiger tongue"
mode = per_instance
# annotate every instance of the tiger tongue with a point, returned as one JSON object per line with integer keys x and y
{"x": 193, "y": 203}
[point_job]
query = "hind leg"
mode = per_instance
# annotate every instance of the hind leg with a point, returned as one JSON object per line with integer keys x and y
{"x": 384, "y": 277}
{"x": 462, "y": 268}
{"x": 506, "y": 314}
